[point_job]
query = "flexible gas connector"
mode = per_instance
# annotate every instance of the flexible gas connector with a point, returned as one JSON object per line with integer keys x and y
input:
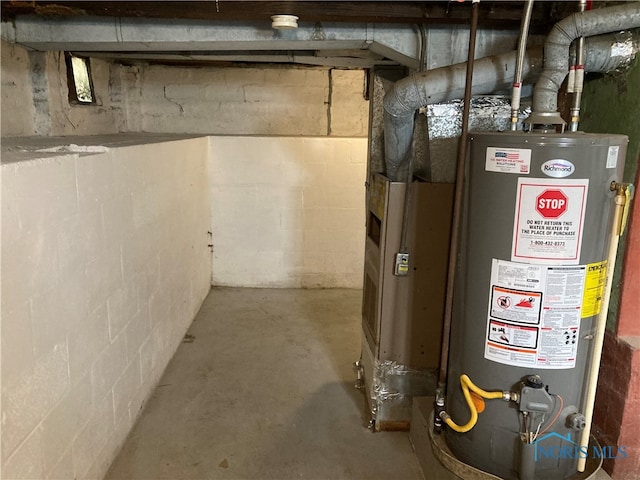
{"x": 467, "y": 384}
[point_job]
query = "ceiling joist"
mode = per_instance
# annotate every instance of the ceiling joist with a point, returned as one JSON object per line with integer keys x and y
{"x": 502, "y": 14}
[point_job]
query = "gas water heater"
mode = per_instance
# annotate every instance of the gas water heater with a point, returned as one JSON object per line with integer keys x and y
{"x": 529, "y": 285}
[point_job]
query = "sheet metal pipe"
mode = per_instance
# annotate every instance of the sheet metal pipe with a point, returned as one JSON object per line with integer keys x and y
{"x": 440, "y": 85}
{"x": 522, "y": 47}
{"x": 457, "y": 201}
{"x": 556, "y": 51}
{"x": 407, "y": 194}
{"x": 490, "y": 74}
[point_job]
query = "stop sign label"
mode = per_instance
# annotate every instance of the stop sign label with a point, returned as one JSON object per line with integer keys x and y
{"x": 551, "y": 203}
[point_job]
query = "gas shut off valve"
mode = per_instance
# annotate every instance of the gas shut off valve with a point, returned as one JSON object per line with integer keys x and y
{"x": 535, "y": 403}
{"x": 534, "y": 399}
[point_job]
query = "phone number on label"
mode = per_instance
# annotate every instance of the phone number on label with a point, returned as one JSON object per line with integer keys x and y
{"x": 548, "y": 244}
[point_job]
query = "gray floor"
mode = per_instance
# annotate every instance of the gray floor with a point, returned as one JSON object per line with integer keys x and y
{"x": 265, "y": 391}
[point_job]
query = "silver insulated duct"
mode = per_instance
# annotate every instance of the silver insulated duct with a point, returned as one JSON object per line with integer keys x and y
{"x": 435, "y": 86}
{"x": 490, "y": 74}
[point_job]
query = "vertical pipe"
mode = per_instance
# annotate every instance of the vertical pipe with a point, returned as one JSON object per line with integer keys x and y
{"x": 522, "y": 47}
{"x": 457, "y": 204}
{"x": 592, "y": 381}
{"x": 527, "y": 463}
{"x": 577, "y": 71}
{"x": 407, "y": 195}
{"x": 407, "y": 208}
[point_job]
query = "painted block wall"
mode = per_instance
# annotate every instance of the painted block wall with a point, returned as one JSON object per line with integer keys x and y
{"x": 35, "y": 96}
{"x": 104, "y": 266}
{"x": 288, "y": 211}
{"x": 17, "y": 97}
{"x": 269, "y": 100}
{"x": 262, "y": 100}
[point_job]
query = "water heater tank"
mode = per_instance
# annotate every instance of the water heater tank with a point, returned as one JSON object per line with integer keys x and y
{"x": 535, "y": 229}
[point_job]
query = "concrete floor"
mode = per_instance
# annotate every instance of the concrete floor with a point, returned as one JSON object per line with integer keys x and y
{"x": 265, "y": 391}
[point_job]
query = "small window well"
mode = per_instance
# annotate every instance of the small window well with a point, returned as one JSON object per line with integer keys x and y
{"x": 79, "y": 80}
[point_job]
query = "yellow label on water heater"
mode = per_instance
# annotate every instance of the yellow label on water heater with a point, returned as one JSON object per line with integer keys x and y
{"x": 594, "y": 289}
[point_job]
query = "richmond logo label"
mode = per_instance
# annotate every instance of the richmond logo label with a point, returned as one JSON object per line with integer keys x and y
{"x": 558, "y": 168}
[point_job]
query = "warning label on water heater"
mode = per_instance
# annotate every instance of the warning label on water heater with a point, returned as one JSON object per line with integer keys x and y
{"x": 549, "y": 220}
{"x": 534, "y": 314}
{"x": 594, "y": 288}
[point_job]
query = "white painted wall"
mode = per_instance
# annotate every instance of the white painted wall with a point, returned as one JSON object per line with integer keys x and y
{"x": 104, "y": 265}
{"x": 288, "y": 212}
{"x": 104, "y": 257}
{"x": 271, "y": 100}
{"x": 266, "y": 100}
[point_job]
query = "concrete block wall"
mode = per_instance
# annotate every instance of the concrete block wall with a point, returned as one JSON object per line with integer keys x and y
{"x": 35, "y": 96}
{"x": 104, "y": 266}
{"x": 17, "y": 97}
{"x": 261, "y": 100}
{"x": 288, "y": 211}
{"x": 268, "y": 100}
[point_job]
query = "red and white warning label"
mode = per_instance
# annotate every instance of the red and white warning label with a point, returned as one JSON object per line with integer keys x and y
{"x": 517, "y": 305}
{"x": 549, "y": 220}
{"x": 534, "y": 314}
{"x": 513, "y": 335}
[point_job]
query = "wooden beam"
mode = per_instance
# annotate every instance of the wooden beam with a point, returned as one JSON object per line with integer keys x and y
{"x": 504, "y": 14}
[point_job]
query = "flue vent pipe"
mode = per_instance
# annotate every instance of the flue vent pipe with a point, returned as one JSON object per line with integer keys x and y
{"x": 556, "y": 53}
{"x": 440, "y": 85}
{"x": 604, "y": 53}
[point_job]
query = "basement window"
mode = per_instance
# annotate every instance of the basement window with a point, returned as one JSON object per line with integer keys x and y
{"x": 79, "y": 80}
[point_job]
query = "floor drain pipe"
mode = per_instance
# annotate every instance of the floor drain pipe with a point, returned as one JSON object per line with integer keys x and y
{"x": 457, "y": 202}
{"x": 522, "y": 48}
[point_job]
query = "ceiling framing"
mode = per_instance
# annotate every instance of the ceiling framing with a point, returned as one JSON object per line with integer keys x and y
{"x": 355, "y": 34}
{"x": 503, "y": 14}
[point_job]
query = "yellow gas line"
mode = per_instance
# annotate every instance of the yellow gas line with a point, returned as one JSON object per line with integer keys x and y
{"x": 467, "y": 386}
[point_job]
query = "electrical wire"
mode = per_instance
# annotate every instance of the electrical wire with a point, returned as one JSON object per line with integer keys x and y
{"x": 535, "y": 435}
{"x": 555, "y": 419}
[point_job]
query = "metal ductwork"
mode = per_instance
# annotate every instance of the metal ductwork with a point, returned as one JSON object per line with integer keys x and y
{"x": 556, "y": 48}
{"x": 490, "y": 74}
{"x": 364, "y": 44}
{"x": 439, "y": 85}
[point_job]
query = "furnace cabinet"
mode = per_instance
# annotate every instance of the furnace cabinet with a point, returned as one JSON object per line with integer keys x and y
{"x": 402, "y": 316}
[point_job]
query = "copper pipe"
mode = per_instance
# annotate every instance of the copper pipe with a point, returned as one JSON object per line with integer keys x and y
{"x": 457, "y": 203}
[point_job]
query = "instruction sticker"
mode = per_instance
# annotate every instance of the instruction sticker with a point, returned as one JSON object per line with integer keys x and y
{"x": 549, "y": 220}
{"x": 612, "y": 156}
{"x": 536, "y": 324}
{"x": 594, "y": 288}
{"x": 508, "y": 160}
{"x": 513, "y": 335}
